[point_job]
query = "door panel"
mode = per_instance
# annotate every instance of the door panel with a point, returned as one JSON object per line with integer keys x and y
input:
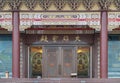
{"x": 59, "y": 61}
{"x": 52, "y": 61}
{"x": 67, "y": 63}
{"x": 83, "y": 62}
{"x": 36, "y": 61}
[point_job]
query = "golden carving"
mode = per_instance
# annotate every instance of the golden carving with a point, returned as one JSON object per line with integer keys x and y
{"x": 44, "y": 38}
{"x": 77, "y": 38}
{"x": 66, "y": 38}
{"x": 55, "y": 38}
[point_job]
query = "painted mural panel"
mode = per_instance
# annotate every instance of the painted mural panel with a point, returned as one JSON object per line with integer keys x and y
{"x": 5, "y": 55}
{"x": 114, "y": 57}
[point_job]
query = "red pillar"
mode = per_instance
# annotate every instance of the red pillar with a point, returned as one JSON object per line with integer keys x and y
{"x": 15, "y": 47}
{"x": 104, "y": 45}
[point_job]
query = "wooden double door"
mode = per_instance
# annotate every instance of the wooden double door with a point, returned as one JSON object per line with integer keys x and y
{"x": 59, "y": 61}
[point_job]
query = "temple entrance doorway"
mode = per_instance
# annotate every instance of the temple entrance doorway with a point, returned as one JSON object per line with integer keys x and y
{"x": 57, "y": 61}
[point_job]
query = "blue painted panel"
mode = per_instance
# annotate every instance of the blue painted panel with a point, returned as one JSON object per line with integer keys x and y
{"x": 114, "y": 57}
{"x": 5, "y": 55}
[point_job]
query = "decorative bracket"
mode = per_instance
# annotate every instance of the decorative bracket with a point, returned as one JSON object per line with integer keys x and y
{"x": 74, "y": 4}
{"x": 60, "y": 4}
{"x": 88, "y": 4}
{"x": 104, "y": 4}
{"x": 117, "y": 4}
{"x": 15, "y": 4}
{"x": 30, "y": 4}
{"x": 45, "y": 4}
{"x": 2, "y": 3}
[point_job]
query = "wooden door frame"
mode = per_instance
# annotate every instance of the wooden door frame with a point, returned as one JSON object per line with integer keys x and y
{"x": 76, "y": 46}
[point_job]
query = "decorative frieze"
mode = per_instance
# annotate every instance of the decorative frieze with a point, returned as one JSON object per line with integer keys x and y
{"x": 59, "y": 18}
{"x": 6, "y": 20}
{"x": 59, "y": 5}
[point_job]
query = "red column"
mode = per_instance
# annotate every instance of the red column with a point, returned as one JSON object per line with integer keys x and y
{"x": 104, "y": 45}
{"x": 15, "y": 46}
